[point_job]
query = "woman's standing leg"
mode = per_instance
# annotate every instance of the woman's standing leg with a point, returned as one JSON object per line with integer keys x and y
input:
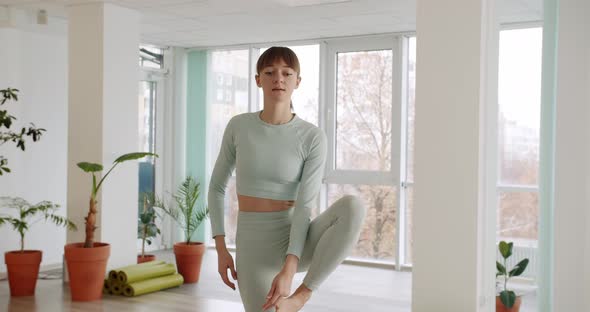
{"x": 262, "y": 239}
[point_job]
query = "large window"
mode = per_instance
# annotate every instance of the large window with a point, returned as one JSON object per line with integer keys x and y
{"x": 227, "y": 97}
{"x": 519, "y": 93}
{"x": 150, "y": 120}
{"x": 407, "y": 201}
{"x": 363, "y": 122}
{"x": 368, "y": 87}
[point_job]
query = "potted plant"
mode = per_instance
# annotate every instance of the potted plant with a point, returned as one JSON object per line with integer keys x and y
{"x": 16, "y": 137}
{"x": 507, "y": 300}
{"x": 146, "y": 227}
{"x": 23, "y": 265}
{"x": 189, "y": 255}
{"x": 87, "y": 261}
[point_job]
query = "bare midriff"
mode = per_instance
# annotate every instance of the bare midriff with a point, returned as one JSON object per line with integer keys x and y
{"x": 257, "y": 204}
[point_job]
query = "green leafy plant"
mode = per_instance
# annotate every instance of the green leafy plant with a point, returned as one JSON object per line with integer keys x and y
{"x": 146, "y": 227}
{"x": 26, "y": 214}
{"x": 16, "y": 137}
{"x": 184, "y": 211}
{"x": 508, "y": 297}
{"x": 93, "y": 168}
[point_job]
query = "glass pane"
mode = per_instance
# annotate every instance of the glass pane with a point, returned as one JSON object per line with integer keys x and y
{"x": 229, "y": 86}
{"x": 409, "y": 243}
{"x": 519, "y": 99}
{"x": 305, "y": 98}
{"x": 377, "y": 239}
{"x": 518, "y": 222}
{"x": 518, "y": 216}
{"x": 147, "y": 138}
{"x": 411, "y": 102}
{"x": 363, "y": 110}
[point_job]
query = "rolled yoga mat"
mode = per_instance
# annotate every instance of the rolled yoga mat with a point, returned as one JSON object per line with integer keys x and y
{"x": 106, "y": 288}
{"x": 152, "y": 285}
{"x": 114, "y": 274}
{"x": 129, "y": 276}
{"x": 117, "y": 289}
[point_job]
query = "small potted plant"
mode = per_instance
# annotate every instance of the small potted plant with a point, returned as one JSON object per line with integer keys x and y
{"x": 87, "y": 261}
{"x": 23, "y": 265}
{"x": 146, "y": 227}
{"x": 507, "y": 300}
{"x": 189, "y": 255}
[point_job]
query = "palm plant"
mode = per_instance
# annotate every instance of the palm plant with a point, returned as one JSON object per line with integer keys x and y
{"x": 93, "y": 168}
{"x": 185, "y": 213}
{"x": 147, "y": 228}
{"x": 508, "y": 297}
{"x": 26, "y": 211}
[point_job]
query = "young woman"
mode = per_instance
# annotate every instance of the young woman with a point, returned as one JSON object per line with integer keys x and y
{"x": 279, "y": 160}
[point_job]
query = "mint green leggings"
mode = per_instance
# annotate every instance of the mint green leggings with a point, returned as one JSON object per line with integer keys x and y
{"x": 262, "y": 239}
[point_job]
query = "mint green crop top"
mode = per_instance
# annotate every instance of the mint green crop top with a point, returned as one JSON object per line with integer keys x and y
{"x": 281, "y": 162}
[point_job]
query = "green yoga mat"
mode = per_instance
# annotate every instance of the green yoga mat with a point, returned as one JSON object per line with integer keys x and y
{"x": 117, "y": 289}
{"x": 128, "y": 276}
{"x": 114, "y": 274}
{"x": 106, "y": 289}
{"x": 107, "y": 285}
{"x": 152, "y": 285}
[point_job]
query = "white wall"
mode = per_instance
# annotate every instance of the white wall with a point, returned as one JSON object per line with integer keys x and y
{"x": 103, "y": 88}
{"x": 448, "y": 95}
{"x": 572, "y": 159}
{"x": 35, "y": 62}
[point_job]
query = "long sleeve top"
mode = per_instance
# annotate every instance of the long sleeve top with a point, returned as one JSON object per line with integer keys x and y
{"x": 280, "y": 162}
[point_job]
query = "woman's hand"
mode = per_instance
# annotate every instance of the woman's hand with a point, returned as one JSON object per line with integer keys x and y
{"x": 281, "y": 287}
{"x": 226, "y": 261}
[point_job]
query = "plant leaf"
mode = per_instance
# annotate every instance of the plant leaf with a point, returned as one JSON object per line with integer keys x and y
{"x": 519, "y": 267}
{"x": 505, "y": 249}
{"x": 508, "y": 297}
{"x": 501, "y": 268}
{"x": 90, "y": 167}
{"x": 132, "y": 156}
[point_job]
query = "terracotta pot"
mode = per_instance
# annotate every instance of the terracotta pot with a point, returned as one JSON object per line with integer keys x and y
{"x": 501, "y": 308}
{"x": 145, "y": 258}
{"x": 23, "y": 269}
{"x": 188, "y": 260}
{"x": 86, "y": 269}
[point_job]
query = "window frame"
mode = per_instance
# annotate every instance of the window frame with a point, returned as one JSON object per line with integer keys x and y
{"x": 161, "y": 79}
{"x": 397, "y": 43}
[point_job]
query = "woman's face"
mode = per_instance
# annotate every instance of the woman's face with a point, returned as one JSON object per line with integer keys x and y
{"x": 278, "y": 81}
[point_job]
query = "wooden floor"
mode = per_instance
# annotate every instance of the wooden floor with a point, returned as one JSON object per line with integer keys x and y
{"x": 349, "y": 289}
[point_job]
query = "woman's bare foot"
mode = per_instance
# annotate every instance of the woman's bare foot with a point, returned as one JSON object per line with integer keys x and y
{"x": 296, "y": 301}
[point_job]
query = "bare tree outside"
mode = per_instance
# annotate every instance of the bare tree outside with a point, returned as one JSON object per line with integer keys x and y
{"x": 363, "y": 142}
{"x": 519, "y": 96}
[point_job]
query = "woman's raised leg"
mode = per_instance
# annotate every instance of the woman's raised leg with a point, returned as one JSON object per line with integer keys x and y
{"x": 330, "y": 238}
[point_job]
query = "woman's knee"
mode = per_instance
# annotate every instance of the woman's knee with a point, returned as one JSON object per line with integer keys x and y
{"x": 352, "y": 206}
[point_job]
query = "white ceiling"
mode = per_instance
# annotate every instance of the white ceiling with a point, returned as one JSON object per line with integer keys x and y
{"x": 206, "y": 23}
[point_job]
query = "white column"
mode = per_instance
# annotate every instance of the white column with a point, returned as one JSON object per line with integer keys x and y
{"x": 450, "y": 84}
{"x": 103, "y": 122}
{"x": 572, "y": 159}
